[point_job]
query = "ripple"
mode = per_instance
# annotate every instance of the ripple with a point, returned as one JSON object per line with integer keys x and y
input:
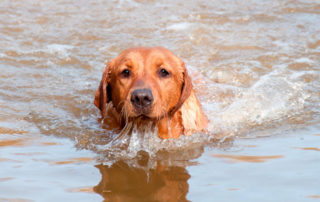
{"x": 248, "y": 159}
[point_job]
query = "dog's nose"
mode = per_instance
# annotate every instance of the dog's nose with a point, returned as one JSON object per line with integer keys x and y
{"x": 142, "y": 98}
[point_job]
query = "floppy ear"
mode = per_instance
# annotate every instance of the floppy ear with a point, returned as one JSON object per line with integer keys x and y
{"x": 103, "y": 93}
{"x": 185, "y": 90}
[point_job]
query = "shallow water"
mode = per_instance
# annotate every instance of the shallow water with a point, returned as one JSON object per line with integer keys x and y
{"x": 255, "y": 67}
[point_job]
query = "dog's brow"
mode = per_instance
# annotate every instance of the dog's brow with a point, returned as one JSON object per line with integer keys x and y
{"x": 159, "y": 61}
{"x": 128, "y": 61}
{"x": 156, "y": 58}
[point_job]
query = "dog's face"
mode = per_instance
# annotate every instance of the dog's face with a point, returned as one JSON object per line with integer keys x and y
{"x": 144, "y": 82}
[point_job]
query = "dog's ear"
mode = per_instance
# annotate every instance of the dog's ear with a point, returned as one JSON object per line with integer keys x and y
{"x": 103, "y": 96}
{"x": 185, "y": 89}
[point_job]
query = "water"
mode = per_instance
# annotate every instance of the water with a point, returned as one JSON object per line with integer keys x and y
{"x": 255, "y": 68}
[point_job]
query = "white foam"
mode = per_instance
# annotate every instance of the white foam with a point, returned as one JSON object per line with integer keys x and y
{"x": 282, "y": 45}
{"x": 59, "y": 49}
{"x": 304, "y": 60}
{"x": 179, "y": 26}
{"x": 128, "y": 146}
{"x": 272, "y": 98}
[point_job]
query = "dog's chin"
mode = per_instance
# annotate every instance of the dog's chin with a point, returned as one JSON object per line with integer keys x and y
{"x": 143, "y": 115}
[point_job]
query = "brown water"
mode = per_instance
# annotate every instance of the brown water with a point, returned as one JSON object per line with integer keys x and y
{"x": 255, "y": 67}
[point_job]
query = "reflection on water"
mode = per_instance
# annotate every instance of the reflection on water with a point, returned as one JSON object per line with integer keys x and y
{"x": 71, "y": 161}
{"x": 255, "y": 68}
{"x": 314, "y": 196}
{"x": 120, "y": 182}
{"x": 310, "y": 148}
{"x": 15, "y": 142}
{"x": 249, "y": 159}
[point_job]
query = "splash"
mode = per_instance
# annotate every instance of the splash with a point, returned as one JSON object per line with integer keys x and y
{"x": 128, "y": 146}
{"x": 272, "y": 100}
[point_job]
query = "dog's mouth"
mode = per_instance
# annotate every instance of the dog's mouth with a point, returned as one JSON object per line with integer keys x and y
{"x": 141, "y": 118}
{"x": 143, "y": 112}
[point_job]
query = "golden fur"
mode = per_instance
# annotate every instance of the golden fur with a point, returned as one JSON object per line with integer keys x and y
{"x": 171, "y": 104}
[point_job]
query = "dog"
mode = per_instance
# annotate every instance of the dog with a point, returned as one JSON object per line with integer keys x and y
{"x": 146, "y": 86}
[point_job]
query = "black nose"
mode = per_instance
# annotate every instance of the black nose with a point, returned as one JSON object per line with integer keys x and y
{"x": 141, "y": 98}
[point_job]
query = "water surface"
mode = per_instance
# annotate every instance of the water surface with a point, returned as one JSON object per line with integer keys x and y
{"x": 255, "y": 68}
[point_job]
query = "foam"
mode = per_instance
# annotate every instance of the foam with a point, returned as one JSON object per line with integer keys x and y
{"x": 59, "y": 49}
{"x": 272, "y": 98}
{"x": 179, "y": 26}
{"x": 304, "y": 60}
{"x": 128, "y": 146}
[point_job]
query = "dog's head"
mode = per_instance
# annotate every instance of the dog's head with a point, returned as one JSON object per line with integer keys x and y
{"x": 148, "y": 82}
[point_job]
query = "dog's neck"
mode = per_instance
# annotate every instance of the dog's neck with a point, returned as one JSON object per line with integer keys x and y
{"x": 171, "y": 127}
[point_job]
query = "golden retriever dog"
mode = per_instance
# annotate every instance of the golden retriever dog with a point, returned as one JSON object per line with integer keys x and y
{"x": 145, "y": 87}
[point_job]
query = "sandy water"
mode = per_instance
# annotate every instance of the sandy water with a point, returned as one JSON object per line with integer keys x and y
{"x": 255, "y": 67}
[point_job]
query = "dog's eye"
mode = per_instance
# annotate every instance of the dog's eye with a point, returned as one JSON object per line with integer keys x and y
{"x": 125, "y": 73}
{"x": 163, "y": 73}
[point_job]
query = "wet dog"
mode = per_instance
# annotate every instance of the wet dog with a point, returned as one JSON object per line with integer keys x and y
{"x": 145, "y": 87}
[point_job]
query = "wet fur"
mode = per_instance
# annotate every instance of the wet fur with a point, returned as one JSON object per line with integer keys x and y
{"x": 175, "y": 110}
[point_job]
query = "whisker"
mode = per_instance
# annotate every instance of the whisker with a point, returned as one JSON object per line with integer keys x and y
{"x": 128, "y": 125}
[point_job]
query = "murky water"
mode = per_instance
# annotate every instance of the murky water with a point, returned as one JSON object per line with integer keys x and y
{"x": 255, "y": 67}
